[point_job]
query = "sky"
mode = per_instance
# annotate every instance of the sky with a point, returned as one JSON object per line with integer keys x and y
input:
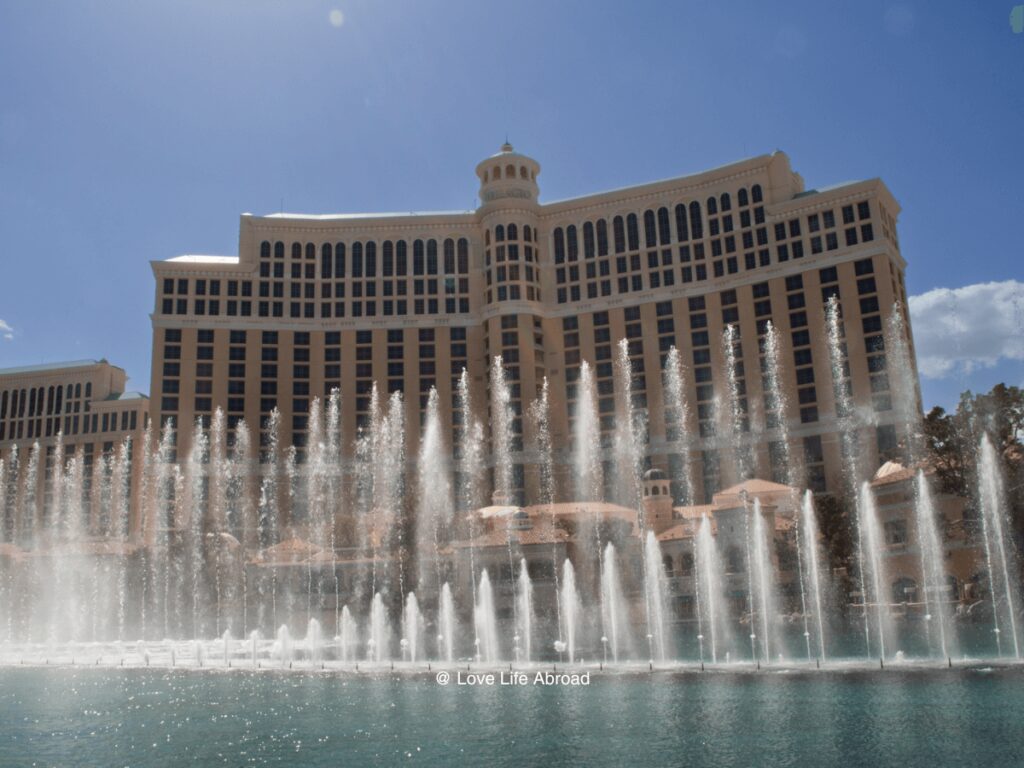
{"x": 133, "y": 131}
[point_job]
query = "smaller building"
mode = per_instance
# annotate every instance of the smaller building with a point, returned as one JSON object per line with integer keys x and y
{"x": 69, "y": 410}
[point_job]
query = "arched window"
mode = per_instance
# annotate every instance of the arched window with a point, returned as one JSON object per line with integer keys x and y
{"x": 339, "y": 260}
{"x": 619, "y": 233}
{"x": 463, "y": 256}
{"x": 755, "y": 193}
{"x": 510, "y": 171}
{"x": 278, "y": 250}
{"x": 572, "y": 243}
{"x": 371, "y": 259}
{"x": 32, "y": 402}
{"x": 326, "y": 261}
{"x": 527, "y": 233}
{"x": 726, "y": 203}
{"x": 588, "y": 240}
{"x": 696, "y": 224}
{"x": 523, "y": 173}
{"x": 401, "y": 259}
{"x": 417, "y": 257}
{"x": 497, "y": 172}
{"x": 650, "y": 236}
{"x": 559, "y": 236}
{"x": 60, "y": 401}
{"x": 431, "y": 257}
{"x": 357, "y": 259}
{"x": 631, "y": 232}
{"x": 310, "y": 251}
{"x": 78, "y": 395}
{"x": 499, "y": 233}
{"x": 664, "y": 229}
{"x": 682, "y": 231}
{"x": 513, "y": 232}
{"x": 449, "y": 256}
{"x": 296, "y": 250}
{"x": 388, "y": 259}
{"x": 265, "y": 249}
{"x": 666, "y": 563}
{"x": 602, "y": 237}
{"x": 50, "y": 399}
{"x": 742, "y": 196}
{"x": 712, "y": 206}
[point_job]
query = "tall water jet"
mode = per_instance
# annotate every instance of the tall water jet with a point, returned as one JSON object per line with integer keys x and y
{"x": 934, "y": 585}
{"x": 587, "y": 468}
{"x": 314, "y": 641}
{"x": 379, "y": 643}
{"x": 569, "y": 603}
{"x": 446, "y": 625}
{"x": 738, "y": 424}
{"x": 348, "y": 636}
{"x": 501, "y": 433}
{"x": 486, "y": 622}
{"x": 764, "y": 603}
{"x": 677, "y": 419}
{"x": 226, "y": 648}
{"x": 268, "y": 511}
{"x": 433, "y": 495}
{"x": 712, "y": 624}
{"x": 524, "y": 613}
{"x": 874, "y": 574}
{"x": 470, "y": 446}
{"x": 284, "y": 645}
{"x": 630, "y": 431}
{"x": 196, "y": 504}
{"x": 412, "y": 628}
{"x": 809, "y": 553}
{"x": 655, "y": 590}
{"x": 588, "y": 473}
{"x": 614, "y": 609}
{"x": 849, "y": 441}
{"x": 998, "y": 552}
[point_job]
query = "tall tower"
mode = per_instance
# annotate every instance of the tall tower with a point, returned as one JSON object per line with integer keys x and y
{"x": 509, "y": 217}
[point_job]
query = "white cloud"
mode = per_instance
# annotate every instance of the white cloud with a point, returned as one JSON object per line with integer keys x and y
{"x": 6, "y": 331}
{"x": 962, "y": 329}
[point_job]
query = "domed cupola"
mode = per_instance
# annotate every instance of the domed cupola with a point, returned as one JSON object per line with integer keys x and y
{"x": 508, "y": 177}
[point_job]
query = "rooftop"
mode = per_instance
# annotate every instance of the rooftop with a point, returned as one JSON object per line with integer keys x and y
{"x": 49, "y": 367}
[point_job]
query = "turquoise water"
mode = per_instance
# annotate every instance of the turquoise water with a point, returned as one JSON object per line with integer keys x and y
{"x": 911, "y": 719}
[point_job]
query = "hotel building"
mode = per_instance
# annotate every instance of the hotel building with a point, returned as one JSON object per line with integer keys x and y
{"x": 314, "y": 303}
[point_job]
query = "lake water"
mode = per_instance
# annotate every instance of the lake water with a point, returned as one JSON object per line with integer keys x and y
{"x": 134, "y": 717}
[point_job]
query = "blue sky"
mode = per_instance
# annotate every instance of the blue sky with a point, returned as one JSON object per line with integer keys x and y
{"x": 132, "y": 131}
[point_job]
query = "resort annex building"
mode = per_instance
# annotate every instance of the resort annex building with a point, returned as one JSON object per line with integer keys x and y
{"x": 404, "y": 302}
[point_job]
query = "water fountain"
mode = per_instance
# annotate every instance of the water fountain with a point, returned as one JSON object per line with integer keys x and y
{"x": 657, "y": 628}
{"x": 328, "y": 535}
{"x": 524, "y": 614}
{"x": 570, "y": 609}
{"x": 933, "y": 583}
{"x": 412, "y": 629}
{"x": 614, "y": 609}
{"x": 486, "y": 622}
{"x": 998, "y": 553}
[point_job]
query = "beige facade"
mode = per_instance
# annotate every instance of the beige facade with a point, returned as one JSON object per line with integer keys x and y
{"x": 70, "y": 410}
{"x": 313, "y": 303}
